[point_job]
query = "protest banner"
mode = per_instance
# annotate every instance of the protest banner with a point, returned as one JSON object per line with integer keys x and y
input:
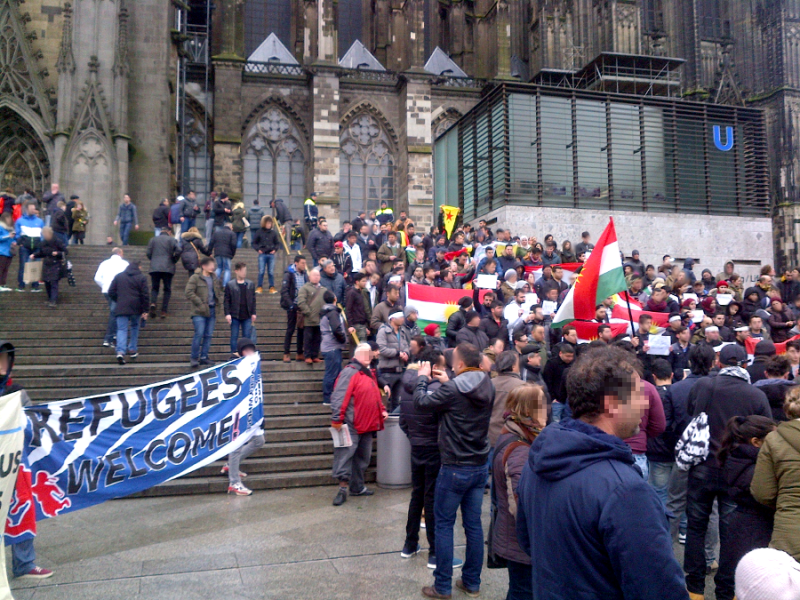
{"x": 12, "y": 424}
{"x": 85, "y": 451}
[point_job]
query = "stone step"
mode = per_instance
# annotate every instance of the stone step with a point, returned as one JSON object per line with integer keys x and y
{"x": 219, "y": 353}
{"x": 270, "y": 371}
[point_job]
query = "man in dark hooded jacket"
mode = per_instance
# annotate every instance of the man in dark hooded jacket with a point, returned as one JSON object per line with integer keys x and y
{"x": 464, "y": 408}
{"x": 687, "y": 268}
{"x": 132, "y": 295}
{"x": 591, "y": 524}
{"x": 23, "y": 554}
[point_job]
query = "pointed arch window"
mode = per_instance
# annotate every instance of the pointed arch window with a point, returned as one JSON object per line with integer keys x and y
{"x": 274, "y": 163}
{"x": 196, "y": 155}
{"x": 366, "y": 165}
{"x": 262, "y": 17}
{"x": 23, "y": 158}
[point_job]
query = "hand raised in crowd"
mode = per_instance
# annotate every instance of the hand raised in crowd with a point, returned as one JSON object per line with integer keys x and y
{"x": 441, "y": 376}
{"x": 424, "y": 369}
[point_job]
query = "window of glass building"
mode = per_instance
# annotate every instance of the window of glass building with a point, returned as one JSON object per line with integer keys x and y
{"x": 350, "y": 24}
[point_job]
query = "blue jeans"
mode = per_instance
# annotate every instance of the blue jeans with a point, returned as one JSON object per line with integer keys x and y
{"x": 641, "y": 462}
{"x": 186, "y": 224}
{"x": 203, "y": 331}
{"x": 125, "y": 232}
{"x": 23, "y": 558}
{"x": 239, "y": 238}
{"x": 111, "y": 328}
{"x": 224, "y": 270}
{"x": 459, "y": 486}
{"x": 124, "y": 342}
{"x": 64, "y": 237}
{"x": 248, "y": 331}
{"x": 253, "y": 236}
{"x": 24, "y": 257}
{"x": 659, "y": 478}
{"x": 266, "y": 262}
{"x": 520, "y": 581}
{"x": 333, "y": 366}
{"x": 557, "y": 411}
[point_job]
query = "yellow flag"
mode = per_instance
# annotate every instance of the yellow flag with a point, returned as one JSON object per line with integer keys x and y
{"x": 450, "y": 215}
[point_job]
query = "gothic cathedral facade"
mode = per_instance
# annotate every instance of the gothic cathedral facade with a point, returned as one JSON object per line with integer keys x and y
{"x": 278, "y": 98}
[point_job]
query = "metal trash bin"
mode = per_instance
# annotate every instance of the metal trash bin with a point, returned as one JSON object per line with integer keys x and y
{"x": 394, "y": 456}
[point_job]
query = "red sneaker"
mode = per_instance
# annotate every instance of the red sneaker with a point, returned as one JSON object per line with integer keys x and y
{"x": 37, "y": 573}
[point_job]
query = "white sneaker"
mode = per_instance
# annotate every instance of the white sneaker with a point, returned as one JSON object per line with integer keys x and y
{"x": 239, "y": 490}
{"x": 5, "y": 289}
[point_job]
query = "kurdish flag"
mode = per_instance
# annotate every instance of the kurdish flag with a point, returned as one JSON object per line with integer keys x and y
{"x": 620, "y": 311}
{"x": 587, "y": 332}
{"x": 435, "y": 305}
{"x": 600, "y": 278}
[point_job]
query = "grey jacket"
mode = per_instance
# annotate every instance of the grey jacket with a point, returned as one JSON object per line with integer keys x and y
{"x": 390, "y": 345}
{"x": 332, "y": 328}
{"x": 163, "y": 251}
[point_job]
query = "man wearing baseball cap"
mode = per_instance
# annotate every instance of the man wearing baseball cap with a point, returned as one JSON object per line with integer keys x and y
{"x": 721, "y": 398}
{"x": 393, "y": 346}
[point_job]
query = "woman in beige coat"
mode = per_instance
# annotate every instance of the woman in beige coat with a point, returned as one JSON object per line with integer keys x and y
{"x": 776, "y": 481}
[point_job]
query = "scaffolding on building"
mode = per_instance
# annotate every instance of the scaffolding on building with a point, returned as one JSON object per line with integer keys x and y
{"x": 192, "y": 34}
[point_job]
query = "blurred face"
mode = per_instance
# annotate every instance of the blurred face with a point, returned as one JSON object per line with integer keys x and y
{"x": 600, "y": 313}
{"x": 684, "y": 336}
{"x": 538, "y": 334}
{"x": 572, "y": 337}
{"x": 330, "y": 269}
{"x": 567, "y": 358}
{"x": 241, "y": 273}
{"x": 414, "y": 347}
{"x": 126, "y": 199}
{"x": 522, "y": 342}
{"x": 498, "y": 346}
{"x": 606, "y": 336}
{"x": 755, "y": 324}
{"x": 793, "y": 354}
{"x": 627, "y": 414}
{"x": 535, "y": 360}
{"x": 31, "y": 209}
{"x": 393, "y": 296}
{"x": 645, "y": 325}
{"x": 300, "y": 265}
{"x": 323, "y": 226}
{"x": 742, "y": 335}
{"x": 719, "y": 320}
{"x": 313, "y": 277}
{"x": 4, "y": 362}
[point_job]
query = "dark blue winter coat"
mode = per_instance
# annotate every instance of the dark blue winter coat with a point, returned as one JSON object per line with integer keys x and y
{"x": 591, "y": 524}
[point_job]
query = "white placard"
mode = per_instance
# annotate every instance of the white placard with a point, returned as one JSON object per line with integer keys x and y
{"x": 690, "y": 296}
{"x": 697, "y": 316}
{"x": 488, "y": 282}
{"x": 549, "y": 307}
{"x": 659, "y": 345}
{"x": 724, "y": 299}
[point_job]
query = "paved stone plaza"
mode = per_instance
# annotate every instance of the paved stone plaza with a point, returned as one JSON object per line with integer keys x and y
{"x": 286, "y": 544}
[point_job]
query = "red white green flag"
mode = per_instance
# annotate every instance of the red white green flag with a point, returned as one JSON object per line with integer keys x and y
{"x": 600, "y": 278}
{"x": 436, "y": 305}
{"x": 587, "y": 332}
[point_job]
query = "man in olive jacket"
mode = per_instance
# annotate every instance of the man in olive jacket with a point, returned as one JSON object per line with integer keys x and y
{"x": 204, "y": 306}
{"x": 310, "y": 302}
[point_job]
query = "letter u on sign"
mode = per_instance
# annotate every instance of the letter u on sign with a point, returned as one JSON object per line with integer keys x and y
{"x": 728, "y": 138}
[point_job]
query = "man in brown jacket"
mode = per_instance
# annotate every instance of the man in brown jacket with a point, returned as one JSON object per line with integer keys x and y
{"x": 382, "y": 310}
{"x": 310, "y": 301}
{"x": 507, "y": 365}
{"x": 390, "y": 253}
{"x": 204, "y": 304}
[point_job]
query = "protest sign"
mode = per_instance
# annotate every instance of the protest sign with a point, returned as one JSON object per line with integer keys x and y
{"x": 85, "y": 451}
{"x": 12, "y": 424}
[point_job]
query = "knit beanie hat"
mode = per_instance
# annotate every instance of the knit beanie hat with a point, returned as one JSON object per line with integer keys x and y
{"x": 768, "y": 574}
{"x": 430, "y": 329}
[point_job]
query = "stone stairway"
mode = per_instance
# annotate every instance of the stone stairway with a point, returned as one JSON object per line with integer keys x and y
{"x": 60, "y": 356}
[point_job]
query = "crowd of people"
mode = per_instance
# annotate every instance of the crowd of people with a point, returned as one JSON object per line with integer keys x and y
{"x": 575, "y": 439}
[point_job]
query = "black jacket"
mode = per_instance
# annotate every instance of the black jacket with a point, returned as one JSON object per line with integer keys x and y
{"x": 220, "y": 216}
{"x": 223, "y": 243}
{"x": 474, "y": 336}
{"x": 320, "y": 243}
{"x": 464, "y": 408}
{"x": 192, "y": 245}
{"x": 130, "y": 291}
{"x": 282, "y": 213}
{"x": 554, "y": 375}
{"x": 421, "y": 426}
{"x": 344, "y": 264}
{"x": 455, "y": 323}
{"x": 161, "y": 216}
{"x": 662, "y": 448}
{"x": 51, "y": 265}
{"x": 266, "y": 240}
{"x": 233, "y": 298}
{"x": 289, "y": 288}
{"x": 758, "y": 369}
{"x": 738, "y": 472}
{"x": 58, "y": 221}
{"x": 775, "y": 390}
{"x": 678, "y": 360}
{"x": 721, "y": 398}
{"x": 163, "y": 252}
{"x": 355, "y": 307}
{"x": 492, "y": 330}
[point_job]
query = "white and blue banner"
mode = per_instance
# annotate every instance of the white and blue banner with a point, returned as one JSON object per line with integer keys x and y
{"x": 85, "y": 451}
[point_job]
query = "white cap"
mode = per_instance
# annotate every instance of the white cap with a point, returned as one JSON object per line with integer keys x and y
{"x": 768, "y": 574}
{"x": 742, "y": 328}
{"x": 509, "y": 273}
{"x": 712, "y": 329}
{"x": 394, "y": 278}
{"x": 397, "y": 315}
{"x": 674, "y": 318}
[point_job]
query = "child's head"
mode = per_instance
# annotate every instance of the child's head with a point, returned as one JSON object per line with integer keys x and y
{"x": 744, "y": 431}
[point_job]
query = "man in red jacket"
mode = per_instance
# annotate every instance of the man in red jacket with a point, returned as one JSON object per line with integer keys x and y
{"x": 356, "y": 402}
